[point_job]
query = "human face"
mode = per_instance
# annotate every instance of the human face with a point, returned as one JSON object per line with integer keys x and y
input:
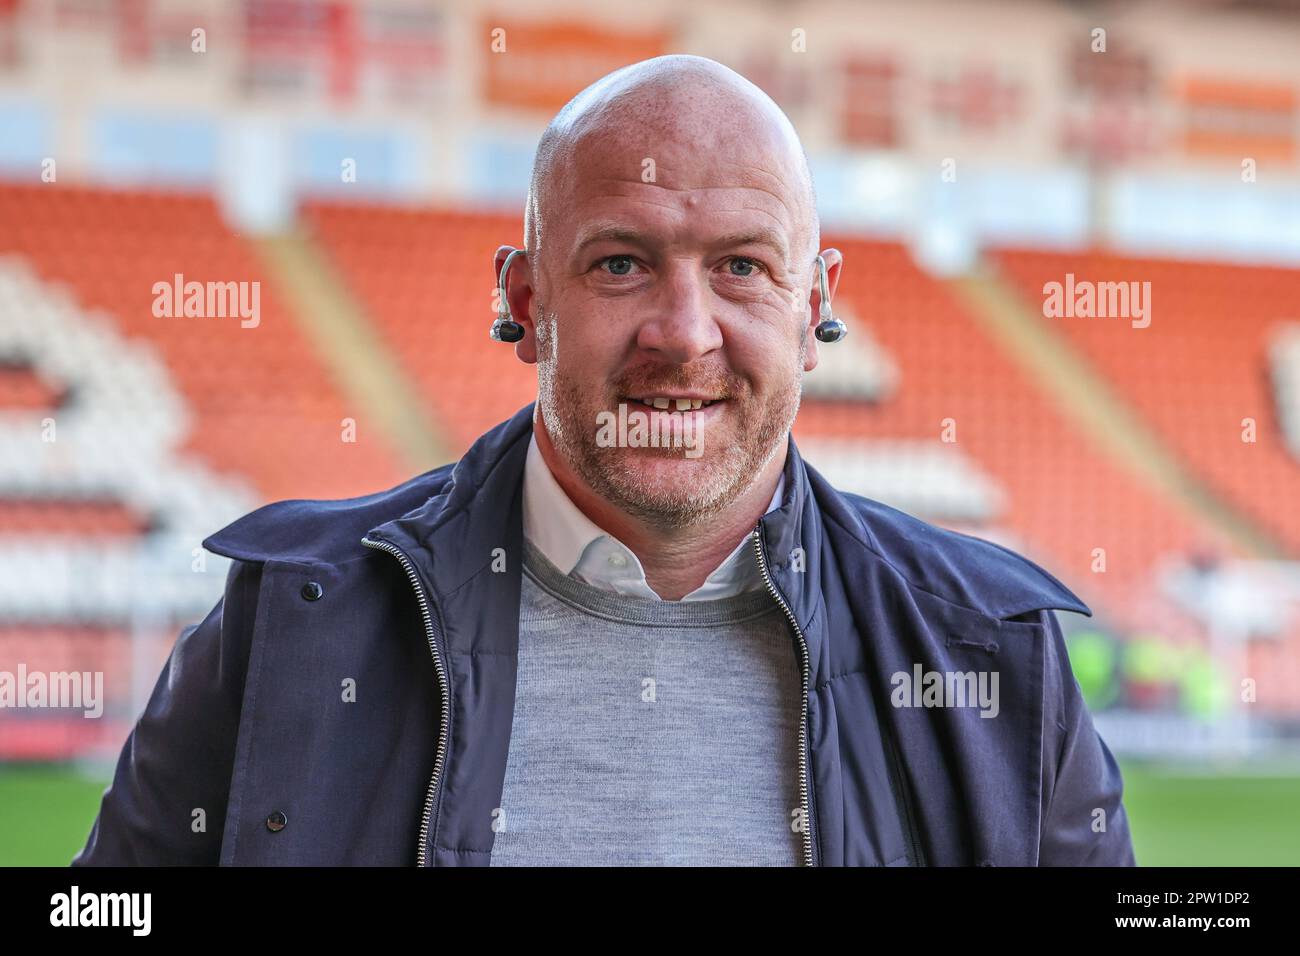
{"x": 678, "y": 288}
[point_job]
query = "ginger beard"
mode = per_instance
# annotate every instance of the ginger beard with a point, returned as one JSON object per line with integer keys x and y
{"x": 662, "y": 486}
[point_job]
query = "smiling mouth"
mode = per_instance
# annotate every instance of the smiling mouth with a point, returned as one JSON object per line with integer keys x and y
{"x": 674, "y": 404}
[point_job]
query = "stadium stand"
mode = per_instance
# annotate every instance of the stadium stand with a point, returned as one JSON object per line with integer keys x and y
{"x": 1018, "y": 471}
{"x": 1062, "y": 496}
{"x": 261, "y": 406}
{"x": 1199, "y": 373}
{"x": 424, "y": 276}
{"x": 154, "y": 432}
{"x": 1284, "y": 355}
{"x": 168, "y": 427}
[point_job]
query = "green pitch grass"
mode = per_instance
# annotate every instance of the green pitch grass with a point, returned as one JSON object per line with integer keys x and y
{"x": 1180, "y": 815}
{"x": 45, "y": 813}
{"x": 1208, "y": 816}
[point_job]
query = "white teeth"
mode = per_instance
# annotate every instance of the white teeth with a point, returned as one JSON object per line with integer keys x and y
{"x": 678, "y": 404}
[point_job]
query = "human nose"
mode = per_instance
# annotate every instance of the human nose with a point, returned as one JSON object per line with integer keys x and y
{"x": 682, "y": 328}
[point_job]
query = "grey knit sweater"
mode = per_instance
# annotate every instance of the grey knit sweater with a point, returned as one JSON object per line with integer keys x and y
{"x": 649, "y": 732}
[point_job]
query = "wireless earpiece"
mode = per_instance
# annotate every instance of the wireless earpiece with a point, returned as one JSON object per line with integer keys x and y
{"x": 829, "y": 329}
{"x": 504, "y": 328}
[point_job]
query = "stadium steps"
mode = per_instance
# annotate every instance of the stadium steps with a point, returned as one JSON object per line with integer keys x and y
{"x": 248, "y": 406}
{"x": 1200, "y": 376}
{"x": 1063, "y": 496}
{"x": 369, "y": 374}
{"x": 1093, "y": 404}
{"x": 425, "y": 277}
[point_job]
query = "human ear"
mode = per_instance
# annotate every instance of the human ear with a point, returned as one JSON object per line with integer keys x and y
{"x": 519, "y": 297}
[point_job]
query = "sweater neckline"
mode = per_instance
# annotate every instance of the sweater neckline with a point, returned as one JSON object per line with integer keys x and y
{"x": 634, "y": 609}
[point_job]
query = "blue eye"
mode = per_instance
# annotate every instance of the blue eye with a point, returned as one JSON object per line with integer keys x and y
{"x": 624, "y": 264}
{"x": 749, "y": 263}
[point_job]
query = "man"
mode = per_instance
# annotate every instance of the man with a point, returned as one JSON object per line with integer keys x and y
{"x": 573, "y": 647}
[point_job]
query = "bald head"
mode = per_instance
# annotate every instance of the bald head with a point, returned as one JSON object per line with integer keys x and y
{"x": 655, "y": 115}
{"x": 672, "y": 233}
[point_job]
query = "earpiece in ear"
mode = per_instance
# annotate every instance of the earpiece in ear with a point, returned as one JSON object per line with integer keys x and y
{"x": 504, "y": 328}
{"x": 829, "y": 329}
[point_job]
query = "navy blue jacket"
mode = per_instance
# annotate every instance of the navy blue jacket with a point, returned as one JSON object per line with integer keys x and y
{"x": 412, "y": 595}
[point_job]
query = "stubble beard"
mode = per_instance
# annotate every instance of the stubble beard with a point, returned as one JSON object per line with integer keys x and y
{"x": 697, "y": 487}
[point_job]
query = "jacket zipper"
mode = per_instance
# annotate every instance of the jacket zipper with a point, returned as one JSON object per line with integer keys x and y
{"x": 444, "y": 693}
{"x": 805, "y": 805}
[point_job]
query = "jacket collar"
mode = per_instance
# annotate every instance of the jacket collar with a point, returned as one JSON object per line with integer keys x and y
{"x": 575, "y": 544}
{"x": 479, "y": 515}
{"x": 477, "y": 511}
{"x": 457, "y": 541}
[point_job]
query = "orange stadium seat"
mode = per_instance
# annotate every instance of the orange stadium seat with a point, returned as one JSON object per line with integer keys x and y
{"x": 425, "y": 277}
{"x": 1064, "y": 496}
{"x": 109, "y": 247}
{"x": 1197, "y": 371}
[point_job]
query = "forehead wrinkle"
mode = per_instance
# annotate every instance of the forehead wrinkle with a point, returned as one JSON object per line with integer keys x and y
{"x": 613, "y": 230}
{"x": 666, "y": 205}
{"x": 683, "y": 189}
{"x": 782, "y": 186}
{"x": 785, "y": 235}
{"x": 686, "y": 101}
{"x": 791, "y": 228}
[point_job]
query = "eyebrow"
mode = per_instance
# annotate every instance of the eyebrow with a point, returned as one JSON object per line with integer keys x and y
{"x": 617, "y": 233}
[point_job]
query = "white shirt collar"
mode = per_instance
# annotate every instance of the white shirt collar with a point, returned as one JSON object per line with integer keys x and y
{"x": 577, "y": 546}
